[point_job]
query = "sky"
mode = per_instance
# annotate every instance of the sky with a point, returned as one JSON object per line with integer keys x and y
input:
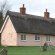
{"x": 34, "y": 7}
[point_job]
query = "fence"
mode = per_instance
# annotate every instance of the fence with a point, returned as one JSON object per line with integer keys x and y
{"x": 3, "y": 51}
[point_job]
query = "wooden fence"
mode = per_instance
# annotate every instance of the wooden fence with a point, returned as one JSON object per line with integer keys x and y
{"x": 3, "y": 51}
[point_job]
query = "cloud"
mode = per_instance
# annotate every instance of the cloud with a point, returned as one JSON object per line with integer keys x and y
{"x": 33, "y": 6}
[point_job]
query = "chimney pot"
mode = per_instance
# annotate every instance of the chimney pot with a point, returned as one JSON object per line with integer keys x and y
{"x": 23, "y": 5}
{"x": 46, "y": 10}
{"x": 46, "y": 14}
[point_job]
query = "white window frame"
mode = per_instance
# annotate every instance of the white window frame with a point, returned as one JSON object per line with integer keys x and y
{"x": 22, "y": 37}
{"x": 48, "y": 38}
{"x": 37, "y": 38}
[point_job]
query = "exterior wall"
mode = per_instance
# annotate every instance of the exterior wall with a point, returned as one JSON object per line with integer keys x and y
{"x": 31, "y": 41}
{"x": 53, "y": 40}
{"x": 8, "y": 36}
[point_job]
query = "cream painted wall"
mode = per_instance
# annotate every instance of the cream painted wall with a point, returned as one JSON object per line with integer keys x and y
{"x": 9, "y": 36}
{"x": 31, "y": 41}
{"x": 53, "y": 40}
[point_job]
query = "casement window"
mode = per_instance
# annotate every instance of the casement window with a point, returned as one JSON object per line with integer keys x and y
{"x": 23, "y": 36}
{"x": 47, "y": 38}
{"x": 37, "y": 37}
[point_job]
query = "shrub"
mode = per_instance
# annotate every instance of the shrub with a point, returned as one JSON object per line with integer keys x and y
{"x": 45, "y": 47}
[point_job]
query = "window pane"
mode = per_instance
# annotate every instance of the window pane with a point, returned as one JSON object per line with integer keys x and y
{"x": 38, "y": 38}
{"x": 35, "y": 37}
{"x": 47, "y": 38}
{"x": 21, "y": 37}
{"x": 24, "y": 37}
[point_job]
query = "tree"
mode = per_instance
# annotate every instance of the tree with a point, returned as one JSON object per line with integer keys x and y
{"x": 4, "y": 8}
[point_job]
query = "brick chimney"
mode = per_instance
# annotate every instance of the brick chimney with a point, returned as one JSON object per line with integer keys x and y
{"x": 23, "y": 10}
{"x": 46, "y": 14}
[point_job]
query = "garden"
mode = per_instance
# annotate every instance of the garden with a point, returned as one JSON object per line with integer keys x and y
{"x": 28, "y": 50}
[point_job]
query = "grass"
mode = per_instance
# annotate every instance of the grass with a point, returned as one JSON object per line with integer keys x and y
{"x": 31, "y": 50}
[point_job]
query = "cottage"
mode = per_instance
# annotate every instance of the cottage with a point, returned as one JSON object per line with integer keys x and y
{"x": 21, "y": 29}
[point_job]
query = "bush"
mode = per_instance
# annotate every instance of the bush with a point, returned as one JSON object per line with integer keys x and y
{"x": 45, "y": 47}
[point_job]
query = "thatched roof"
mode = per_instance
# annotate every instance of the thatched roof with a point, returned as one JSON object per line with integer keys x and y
{"x": 32, "y": 24}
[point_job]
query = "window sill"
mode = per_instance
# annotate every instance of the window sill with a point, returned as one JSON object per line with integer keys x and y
{"x": 37, "y": 40}
{"x": 23, "y": 40}
{"x": 48, "y": 41}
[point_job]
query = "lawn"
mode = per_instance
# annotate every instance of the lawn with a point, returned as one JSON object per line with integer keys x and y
{"x": 31, "y": 50}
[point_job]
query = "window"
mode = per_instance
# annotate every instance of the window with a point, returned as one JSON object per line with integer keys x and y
{"x": 23, "y": 37}
{"x": 47, "y": 38}
{"x": 37, "y": 37}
